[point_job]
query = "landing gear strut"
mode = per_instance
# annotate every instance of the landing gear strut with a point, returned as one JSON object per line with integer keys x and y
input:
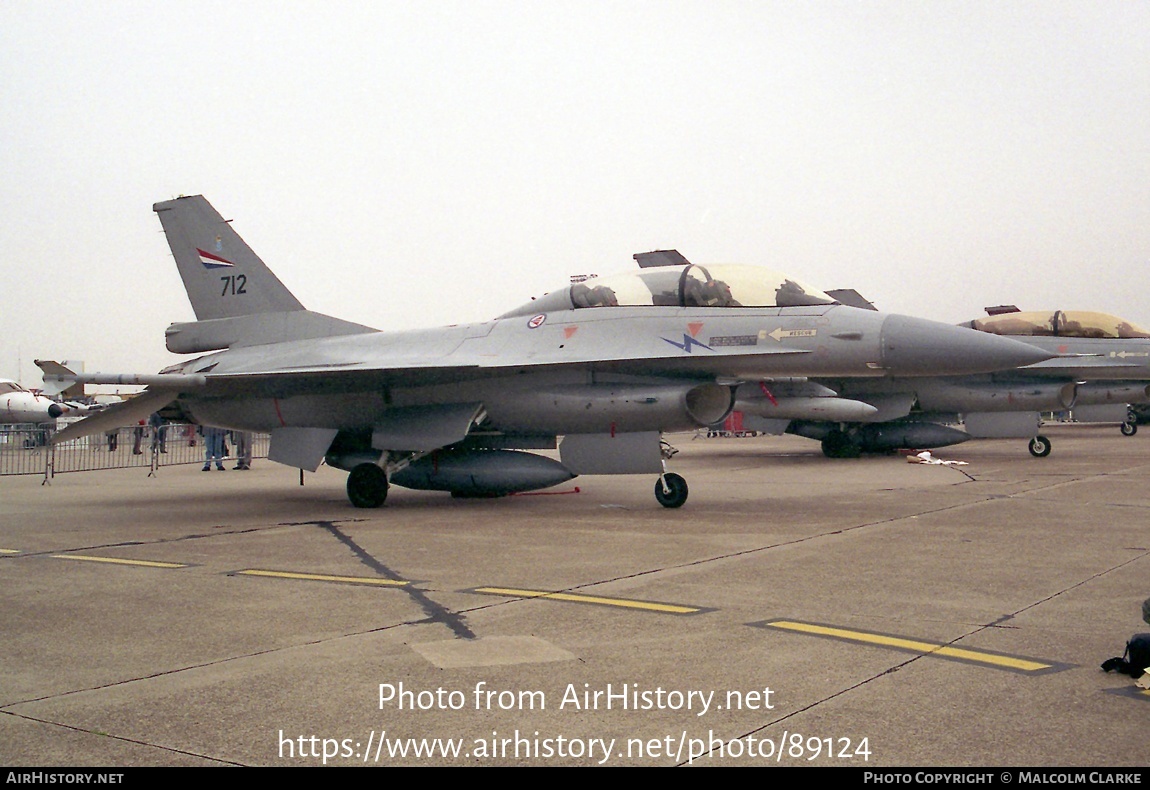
{"x": 671, "y": 490}
{"x": 1039, "y": 447}
{"x": 367, "y": 485}
{"x": 1129, "y": 428}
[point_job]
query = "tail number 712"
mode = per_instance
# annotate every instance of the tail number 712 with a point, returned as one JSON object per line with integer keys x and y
{"x": 234, "y": 284}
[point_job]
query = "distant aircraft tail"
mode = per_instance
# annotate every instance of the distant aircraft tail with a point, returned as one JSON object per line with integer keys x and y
{"x": 236, "y": 297}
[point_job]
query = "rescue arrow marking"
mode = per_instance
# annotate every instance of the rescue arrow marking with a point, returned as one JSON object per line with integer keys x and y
{"x": 778, "y": 334}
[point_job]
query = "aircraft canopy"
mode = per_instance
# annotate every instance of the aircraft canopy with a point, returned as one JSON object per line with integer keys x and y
{"x": 715, "y": 285}
{"x": 1060, "y": 323}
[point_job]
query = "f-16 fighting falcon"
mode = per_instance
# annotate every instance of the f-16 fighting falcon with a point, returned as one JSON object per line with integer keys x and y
{"x": 1100, "y": 361}
{"x": 599, "y": 369}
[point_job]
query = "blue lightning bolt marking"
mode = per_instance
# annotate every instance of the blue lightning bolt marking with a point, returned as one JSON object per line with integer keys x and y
{"x": 688, "y": 343}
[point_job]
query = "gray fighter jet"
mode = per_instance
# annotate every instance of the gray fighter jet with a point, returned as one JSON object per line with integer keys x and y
{"x": 1102, "y": 361}
{"x": 607, "y": 364}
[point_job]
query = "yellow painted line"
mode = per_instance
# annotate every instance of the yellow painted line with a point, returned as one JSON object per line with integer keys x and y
{"x": 319, "y": 577}
{"x": 9, "y": 551}
{"x": 572, "y": 597}
{"x": 914, "y": 645}
{"x": 116, "y": 561}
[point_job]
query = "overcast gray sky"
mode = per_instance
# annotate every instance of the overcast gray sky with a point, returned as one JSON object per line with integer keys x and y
{"x": 413, "y": 164}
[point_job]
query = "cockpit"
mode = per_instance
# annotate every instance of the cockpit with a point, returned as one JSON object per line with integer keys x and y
{"x": 1060, "y": 323}
{"x": 692, "y": 285}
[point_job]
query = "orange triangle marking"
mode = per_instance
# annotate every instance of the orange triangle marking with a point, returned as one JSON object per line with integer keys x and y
{"x": 569, "y": 330}
{"x": 694, "y": 327}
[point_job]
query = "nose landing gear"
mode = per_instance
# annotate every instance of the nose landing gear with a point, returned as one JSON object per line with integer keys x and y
{"x": 671, "y": 490}
{"x": 1039, "y": 446}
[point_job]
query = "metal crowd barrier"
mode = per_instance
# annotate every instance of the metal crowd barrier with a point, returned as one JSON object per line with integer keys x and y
{"x": 25, "y": 449}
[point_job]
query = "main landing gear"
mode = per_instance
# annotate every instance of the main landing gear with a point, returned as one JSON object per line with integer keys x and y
{"x": 1129, "y": 428}
{"x": 1039, "y": 447}
{"x": 840, "y": 444}
{"x": 367, "y": 485}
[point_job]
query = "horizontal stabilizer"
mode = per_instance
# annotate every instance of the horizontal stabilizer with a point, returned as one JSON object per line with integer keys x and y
{"x": 197, "y": 337}
{"x": 119, "y": 415}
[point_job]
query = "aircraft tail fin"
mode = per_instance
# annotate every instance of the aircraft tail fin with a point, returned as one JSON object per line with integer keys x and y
{"x": 223, "y": 276}
{"x": 236, "y": 297}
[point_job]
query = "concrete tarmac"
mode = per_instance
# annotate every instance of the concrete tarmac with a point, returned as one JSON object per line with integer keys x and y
{"x": 796, "y": 611}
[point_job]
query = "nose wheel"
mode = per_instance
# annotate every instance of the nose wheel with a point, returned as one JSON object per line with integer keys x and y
{"x": 1039, "y": 447}
{"x": 671, "y": 490}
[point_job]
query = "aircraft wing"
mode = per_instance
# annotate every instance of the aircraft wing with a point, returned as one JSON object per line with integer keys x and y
{"x": 352, "y": 376}
{"x": 336, "y": 376}
{"x": 285, "y": 380}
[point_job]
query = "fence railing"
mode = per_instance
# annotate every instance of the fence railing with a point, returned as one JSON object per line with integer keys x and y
{"x": 26, "y": 449}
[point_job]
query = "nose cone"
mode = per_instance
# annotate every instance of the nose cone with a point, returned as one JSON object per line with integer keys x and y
{"x": 917, "y": 347}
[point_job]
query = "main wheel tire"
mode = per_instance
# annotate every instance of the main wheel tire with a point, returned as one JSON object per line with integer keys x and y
{"x": 367, "y": 486}
{"x": 1039, "y": 447}
{"x": 1129, "y": 428}
{"x": 840, "y": 445}
{"x": 676, "y": 493}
